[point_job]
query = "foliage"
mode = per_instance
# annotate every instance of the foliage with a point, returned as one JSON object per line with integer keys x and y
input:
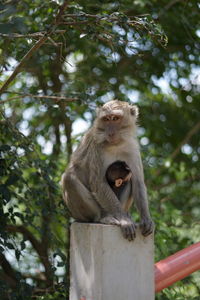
{"x": 94, "y": 52}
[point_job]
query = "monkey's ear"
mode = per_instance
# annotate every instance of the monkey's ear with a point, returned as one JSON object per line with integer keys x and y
{"x": 134, "y": 110}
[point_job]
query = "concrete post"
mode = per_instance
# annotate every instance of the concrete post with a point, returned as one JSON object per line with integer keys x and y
{"x": 105, "y": 266}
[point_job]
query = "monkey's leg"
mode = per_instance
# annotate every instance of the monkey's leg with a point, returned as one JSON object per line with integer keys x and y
{"x": 79, "y": 200}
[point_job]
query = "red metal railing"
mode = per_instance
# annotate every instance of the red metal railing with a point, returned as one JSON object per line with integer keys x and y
{"x": 177, "y": 266}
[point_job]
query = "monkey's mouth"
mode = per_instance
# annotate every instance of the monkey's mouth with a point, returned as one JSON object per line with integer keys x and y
{"x": 114, "y": 141}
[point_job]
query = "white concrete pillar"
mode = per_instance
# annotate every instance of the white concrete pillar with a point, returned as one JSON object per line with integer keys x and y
{"x": 105, "y": 266}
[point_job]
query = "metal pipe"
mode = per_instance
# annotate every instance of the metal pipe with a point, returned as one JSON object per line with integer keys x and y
{"x": 177, "y": 266}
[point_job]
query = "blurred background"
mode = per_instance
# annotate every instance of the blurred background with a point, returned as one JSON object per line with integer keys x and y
{"x": 144, "y": 52}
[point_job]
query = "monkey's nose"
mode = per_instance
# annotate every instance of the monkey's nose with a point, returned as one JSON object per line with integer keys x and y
{"x": 111, "y": 134}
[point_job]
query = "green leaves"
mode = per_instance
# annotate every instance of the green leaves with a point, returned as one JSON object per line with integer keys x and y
{"x": 4, "y": 148}
{"x": 5, "y": 193}
{"x": 9, "y": 245}
{"x": 145, "y": 52}
{"x": 13, "y": 179}
{"x": 15, "y": 25}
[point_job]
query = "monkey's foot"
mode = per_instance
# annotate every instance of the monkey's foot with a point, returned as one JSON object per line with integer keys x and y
{"x": 109, "y": 220}
{"x": 146, "y": 226}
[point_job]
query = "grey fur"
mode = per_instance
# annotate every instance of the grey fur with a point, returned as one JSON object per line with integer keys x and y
{"x": 85, "y": 188}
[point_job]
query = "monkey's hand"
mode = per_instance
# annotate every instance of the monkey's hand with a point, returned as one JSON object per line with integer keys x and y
{"x": 146, "y": 226}
{"x": 128, "y": 227}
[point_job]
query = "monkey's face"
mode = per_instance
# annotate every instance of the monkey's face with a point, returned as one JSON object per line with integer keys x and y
{"x": 115, "y": 121}
{"x": 111, "y": 123}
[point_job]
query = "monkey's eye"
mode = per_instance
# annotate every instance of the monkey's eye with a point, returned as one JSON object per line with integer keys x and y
{"x": 115, "y": 118}
{"x": 106, "y": 119}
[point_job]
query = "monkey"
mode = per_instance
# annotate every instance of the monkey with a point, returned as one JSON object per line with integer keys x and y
{"x": 86, "y": 191}
{"x": 117, "y": 175}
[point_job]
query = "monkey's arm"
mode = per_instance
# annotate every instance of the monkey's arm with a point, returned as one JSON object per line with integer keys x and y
{"x": 112, "y": 208}
{"x": 106, "y": 198}
{"x": 140, "y": 196}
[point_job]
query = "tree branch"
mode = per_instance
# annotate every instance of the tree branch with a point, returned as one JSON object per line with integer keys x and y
{"x": 75, "y": 22}
{"x": 10, "y": 281}
{"x": 174, "y": 181}
{"x": 61, "y": 12}
{"x": 54, "y": 98}
{"x": 37, "y": 245}
{"x": 22, "y": 62}
{"x": 26, "y": 233}
{"x": 170, "y": 4}
{"x": 8, "y": 270}
{"x": 38, "y": 44}
{"x": 39, "y": 277}
{"x": 188, "y": 136}
{"x": 29, "y": 35}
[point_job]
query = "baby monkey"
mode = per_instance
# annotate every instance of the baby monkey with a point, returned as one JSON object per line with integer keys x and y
{"x": 117, "y": 175}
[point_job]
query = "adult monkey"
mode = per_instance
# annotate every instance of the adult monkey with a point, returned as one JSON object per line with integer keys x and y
{"x": 85, "y": 188}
